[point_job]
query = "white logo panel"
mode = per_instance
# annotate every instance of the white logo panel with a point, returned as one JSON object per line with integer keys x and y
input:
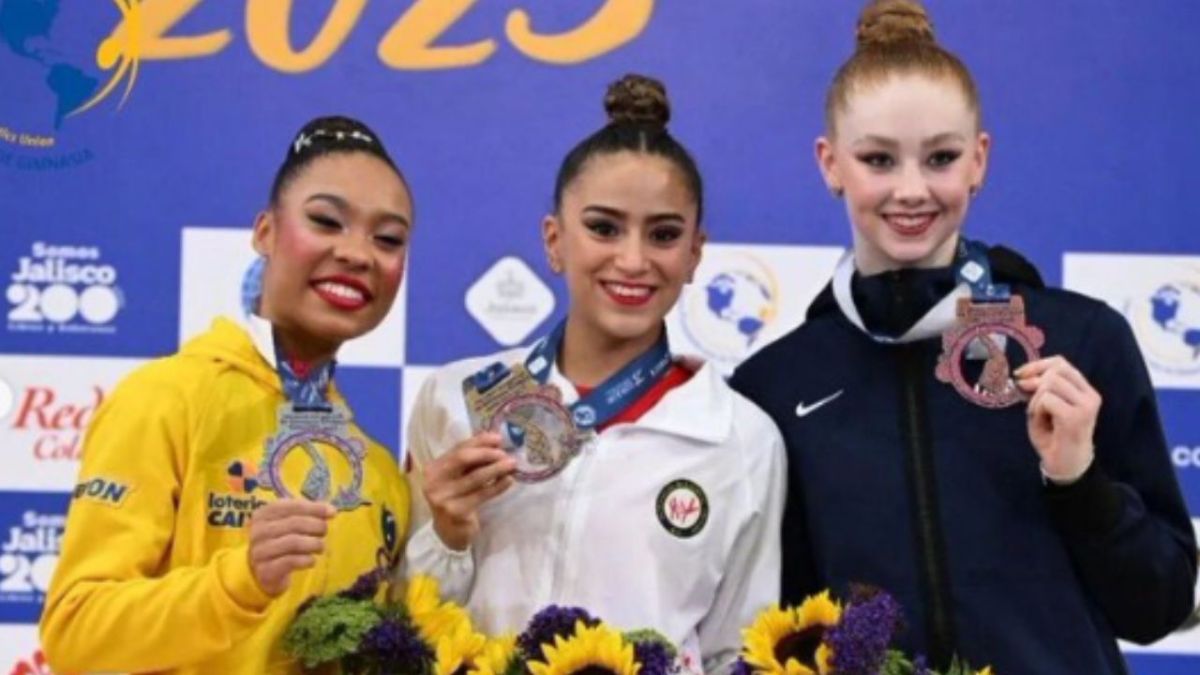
{"x": 20, "y": 651}
{"x": 50, "y": 401}
{"x": 744, "y": 296}
{"x": 509, "y": 300}
{"x": 213, "y": 262}
{"x": 1159, "y": 296}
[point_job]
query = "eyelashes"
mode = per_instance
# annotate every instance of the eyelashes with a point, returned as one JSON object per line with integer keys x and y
{"x": 659, "y": 234}
{"x": 883, "y": 161}
{"x": 387, "y": 241}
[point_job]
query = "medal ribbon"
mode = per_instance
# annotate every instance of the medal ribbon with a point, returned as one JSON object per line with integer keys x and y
{"x": 973, "y": 269}
{"x": 306, "y": 388}
{"x": 608, "y": 399}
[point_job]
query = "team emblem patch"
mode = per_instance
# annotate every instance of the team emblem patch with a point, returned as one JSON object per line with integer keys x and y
{"x": 682, "y": 508}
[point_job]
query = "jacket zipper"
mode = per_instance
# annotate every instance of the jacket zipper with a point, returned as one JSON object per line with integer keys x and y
{"x": 931, "y": 549}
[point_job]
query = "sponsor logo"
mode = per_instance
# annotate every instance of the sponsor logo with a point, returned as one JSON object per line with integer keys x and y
{"x": 30, "y": 539}
{"x": 509, "y": 301}
{"x": 63, "y": 289}
{"x": 102, "y": 491}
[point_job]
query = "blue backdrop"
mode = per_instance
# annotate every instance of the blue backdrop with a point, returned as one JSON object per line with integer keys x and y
{"x": 115, "y": 221}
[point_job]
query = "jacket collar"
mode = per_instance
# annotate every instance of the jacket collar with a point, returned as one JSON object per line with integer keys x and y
{"x": 700, "y": 409}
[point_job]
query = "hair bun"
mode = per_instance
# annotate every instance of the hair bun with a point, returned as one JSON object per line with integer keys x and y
{"x": 892, "y": 23}
{"x": 637, "y": 99}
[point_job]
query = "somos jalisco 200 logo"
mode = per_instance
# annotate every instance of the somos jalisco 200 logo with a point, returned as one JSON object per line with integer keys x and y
{"x": 66, "y": 67}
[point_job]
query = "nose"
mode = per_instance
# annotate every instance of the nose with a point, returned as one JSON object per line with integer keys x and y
{"x": 912, "y": 188}
{"x": 631, "y": 256}
{"x": 353, "y": 249}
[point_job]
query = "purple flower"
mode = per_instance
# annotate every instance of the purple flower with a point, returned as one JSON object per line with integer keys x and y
{"x": 395, "y": 644}
{"x": 654, "y": 657}
{"x": 364, "y": 587}
{"x": 861, "y": 638}
{"x": 920, "y": 667}
{"x": 740, "y": 667}
{"x": 547, "y": 624}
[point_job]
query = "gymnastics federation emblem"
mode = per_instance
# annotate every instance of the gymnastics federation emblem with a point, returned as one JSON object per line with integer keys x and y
{"x": 1167, "y": 323}
{"x": 1159, "y": 295}
{"x": 727, "y": 311}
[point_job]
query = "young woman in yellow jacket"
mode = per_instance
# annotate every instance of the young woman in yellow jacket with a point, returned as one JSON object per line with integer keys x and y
{"x": 224, "y": 485}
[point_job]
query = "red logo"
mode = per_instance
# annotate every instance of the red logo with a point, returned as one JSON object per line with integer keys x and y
{"x": 681, "y": 509}
{"x": 57, "y": 422}
{"x": 36, "y": 665}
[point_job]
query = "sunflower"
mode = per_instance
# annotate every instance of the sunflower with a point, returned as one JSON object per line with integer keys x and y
{"x": 790, "y": 641}
{"x": 497, "y": 656}
{"x": 596, "y": 650}
{"x": 434, "y": 619}
{"x": 421, "y": 596}
{"x": 458, "y": 649}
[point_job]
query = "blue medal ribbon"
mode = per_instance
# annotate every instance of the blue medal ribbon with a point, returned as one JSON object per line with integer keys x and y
{"x": 613, "y": 395}
{"x": 973, "y": 269}
{"x": 608, "y": 399}
{"x": 305, "y": 393}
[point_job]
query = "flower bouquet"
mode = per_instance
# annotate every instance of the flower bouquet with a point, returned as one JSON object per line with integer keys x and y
{"x": 823, "y": 637}
{"x": 569, "y": 641}
{"x": 362, "y": 631}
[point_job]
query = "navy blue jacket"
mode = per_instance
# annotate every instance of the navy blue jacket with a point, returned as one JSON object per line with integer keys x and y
{"x": 900, "y": 483}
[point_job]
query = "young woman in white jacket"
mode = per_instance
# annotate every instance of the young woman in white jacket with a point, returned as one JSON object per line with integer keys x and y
{"x": 596, "y": 469}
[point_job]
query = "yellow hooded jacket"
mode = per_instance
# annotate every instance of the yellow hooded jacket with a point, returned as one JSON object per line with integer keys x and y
{"x": 153, "y": 574}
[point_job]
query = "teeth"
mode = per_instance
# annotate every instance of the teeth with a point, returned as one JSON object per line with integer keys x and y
{"x": 628, "y": 291}
{"x": 910, "y": 221}
{"x": 341, "y": 290}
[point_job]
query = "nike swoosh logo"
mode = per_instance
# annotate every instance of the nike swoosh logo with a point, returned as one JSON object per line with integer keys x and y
{"x": 806, "y": 410}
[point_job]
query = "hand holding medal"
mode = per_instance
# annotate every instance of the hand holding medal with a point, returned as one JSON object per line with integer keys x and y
{"x": 1062, "y": 416}
{"x": 459, "y": 482}
{"x": 286, "y": 536}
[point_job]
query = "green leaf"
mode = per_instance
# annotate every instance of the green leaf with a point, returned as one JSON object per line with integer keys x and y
{"x": 649, "y": 635}
{"x": 329, "y": 629}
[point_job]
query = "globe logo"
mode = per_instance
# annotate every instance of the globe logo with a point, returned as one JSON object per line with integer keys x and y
{"x": 740, "y": 300}
{"x": 1168, "y": 327}
{"x": 29, "y": 32}
{"x": 725, "y": 316}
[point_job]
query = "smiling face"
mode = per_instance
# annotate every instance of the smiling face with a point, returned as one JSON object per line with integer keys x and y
{"x": 908, "y": 153}
{"x": 627, "y": 240}
{"x": 335, "y": 243}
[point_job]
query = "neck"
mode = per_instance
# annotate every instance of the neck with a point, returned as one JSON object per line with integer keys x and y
{"x": 589, "y": 357}
{"x": 296, "y": 343}
{"x": 870, "y": 260}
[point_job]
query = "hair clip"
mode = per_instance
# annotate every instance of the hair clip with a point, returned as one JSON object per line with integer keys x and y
{"x": 305, "y": 140}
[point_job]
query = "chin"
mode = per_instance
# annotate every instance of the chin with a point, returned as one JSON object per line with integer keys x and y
{"x": 629, "y": 327}
{"x": 919, "y": 253}
{"x": 340, "y": 329}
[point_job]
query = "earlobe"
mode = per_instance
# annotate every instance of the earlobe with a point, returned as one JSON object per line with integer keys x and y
{"x": 263, "y": 238}
{"x": 550, "y": 240}
{"x": 983, "y": 146}
{"x": 697, "y": 254}
{"x": 826, "y": 162}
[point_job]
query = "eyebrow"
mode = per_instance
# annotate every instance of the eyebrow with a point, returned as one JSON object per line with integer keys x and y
{"x": 667, "y": 216}
{"x": 341, "y": 204}
{"x": 892, "y": 143}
